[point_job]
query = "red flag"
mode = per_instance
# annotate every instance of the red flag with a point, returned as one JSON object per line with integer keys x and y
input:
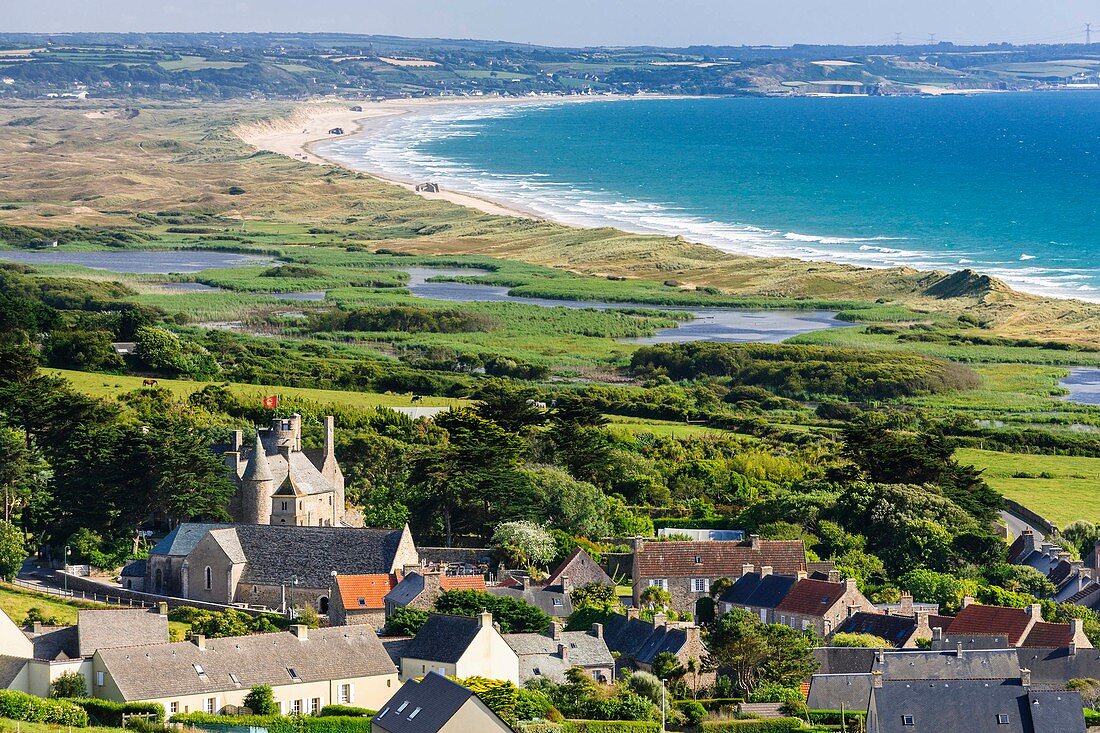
{"x": 271, "y": 402}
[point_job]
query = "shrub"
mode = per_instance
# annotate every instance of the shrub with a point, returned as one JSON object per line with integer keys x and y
{"x": 20, "y": 706}
{"x": 110, "y": 713}
{"x": 692, "y": 711}
{"x": 261, "y": 700}
{"x": 69, "y": 685}
{"x": 282, "y": 724}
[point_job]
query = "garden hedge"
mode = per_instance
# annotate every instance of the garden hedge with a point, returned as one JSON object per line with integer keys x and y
{"x": 610, "y": 726}
{"x": 20, "y": 706}
{"x": 347, "y": 711}
{"x": 283, "y": 724}
{"x": 109, "y": 713}
{"x": 770, "y": 725}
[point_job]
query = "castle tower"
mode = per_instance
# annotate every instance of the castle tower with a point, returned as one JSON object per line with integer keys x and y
{"x": 330, "y": 469}
{"x": 257, "y": 487}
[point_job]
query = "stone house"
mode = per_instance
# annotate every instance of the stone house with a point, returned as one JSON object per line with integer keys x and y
{"x": 553, "y": 600}
{"x": 460, "y": 646}
{"x": 552, "y": 654}
{"x": 306, "y": 669}
{"x": 419, "y": 588}
{"x": 280, "y": 483}
{"x": 435, "y": 704}
{"x": 638, "y": 642}
{"x": 358, "y": 599}
{"x": 902, "y": 632}
{"x": 1070, "y": 577}
{"x": 686, "y": 569}
{"x": 576, "y": 570}
{"x": 820, "y": 605}
{"x": 757, "y": 592}
{"x": 273, "y": 567}
{"x": 1017, "y": 627}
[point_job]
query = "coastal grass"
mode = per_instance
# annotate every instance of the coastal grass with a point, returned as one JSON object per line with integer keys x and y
{"x": 1060, "y": 488}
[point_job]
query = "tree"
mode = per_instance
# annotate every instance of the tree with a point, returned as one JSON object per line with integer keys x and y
{"x": 406, "y": 621}
{"x": 511, "y": 408}
{"x": 576, "y": 507}
{"x": 667, "y": 666}
{"x": 513, "y": 614}
{"x": 524, "y": 544}
{"x": 790, "y": 656}
{"x": 83, "y": 350}
{"x": 656, "y": 598}
{"x": 13, "y": 550}
{"x": 865, "y": 641}
{"x": 19, "y": 471}
{"x": 261, "y": 700}
{"x": 596, "y": 596}
{"x": 69, "y": 685}
{"x": 758, "y": 653}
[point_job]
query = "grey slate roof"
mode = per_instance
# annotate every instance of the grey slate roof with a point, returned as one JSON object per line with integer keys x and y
{"x": 895, "y": 629}
{"x": 550, "y": 600}
{"x": 581, "y": 569}
{"x": 56, "y": 643}
{"x": 436, "y": 698}
{"x": 405, "y": 592}
{"x": 972, "y": 707}
{"x": 164, "y": 670}
{"x": 134, "y": 569}
{"x": 539, "y": 657}
{"x": 396, "y": 646}
{"x": 834, "y": 691}
{"x": 257, "y": 469}
{"x": 662, "y": 639}
{"x": 1052, "y": 668}
{"x": 296, "y": 475}
{"x": 110, "y": 628}
{"x": 752, "y": 589}
{"x": 626, "y": 635}
{"x": 844, "y": 660}
{"x": 443, "y": 638}
{"x": 10, "y": 667}
{"x": 277, "y": 554}
{"x": 181, "y": 540}
{"x": 983, "y": 664}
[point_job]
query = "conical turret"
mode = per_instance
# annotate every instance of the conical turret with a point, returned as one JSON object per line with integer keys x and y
{"x": 257, "y": 486}
{"x": 257, "y": 469}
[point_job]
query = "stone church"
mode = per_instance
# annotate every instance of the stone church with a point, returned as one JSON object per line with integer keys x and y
{"x": 279, "y": 483}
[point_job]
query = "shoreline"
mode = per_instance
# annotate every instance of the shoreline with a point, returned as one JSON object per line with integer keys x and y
{"x": 283, "y": 137}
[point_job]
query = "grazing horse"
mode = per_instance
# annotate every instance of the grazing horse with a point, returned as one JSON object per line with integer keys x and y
{"x": 148, "y": 383}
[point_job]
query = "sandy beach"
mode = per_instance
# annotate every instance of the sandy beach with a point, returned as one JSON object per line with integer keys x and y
{"x": 294, "y": 136}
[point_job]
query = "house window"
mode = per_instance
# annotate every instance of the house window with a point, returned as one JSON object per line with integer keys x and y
{"x": 293, "y": 674}
{"x": 404, "y": 704}
{"x": 345, "y": 694}
{"x": 805, "y": 624}
{"x": 700, "y": 585}
{"x": 661, "y": 583}
{"x": 907, "y": 720}
{"x": 315, "y": 706}
{"x": 209, "y": 578}
{"x": 99, "y": 679}
{"x": 174, "y": 707}
{"x": 236, "y": 680}
{"x": 284, "y": 506}
{"x": 557, "y": 602}
{"x": 1002, "y": 719}
{"x": 362, "y": 601}
{"x": 698, "y": 559}
{"x": 211, "y": 705}
{"x": 414, "y": 713}
{"x": 295, "y": 707}
{"x": 199, "y": 670}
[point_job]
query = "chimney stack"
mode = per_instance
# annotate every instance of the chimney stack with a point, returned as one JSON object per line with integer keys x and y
{"x": 1035, "y": 611}
{"x": 300, "y": 630}
{"x": 555, "y": 630}
{"x": 801, "y": 575}
{"x": 747, "y": 569}
{"x": 1025, "y": 677}
{"x": 563, "y": 652}
{"x": 566, "y": 585}
{"x": 876, "y": 680}
{"x": 199, "y": 640}
{"x": 968, "y": 601}
{"x": 632, "y": 612}
{"x": 597, "y": 631}
{"x": 937, "y": 633}
{"x": 162, "y": 608}
{"x": 485, "y": 619}
{"x": 834, "y": 576}
{"x": 237, "y": 441}
{"x": 526, "y": 580}
{"x": 850, "y": 585}
{"x": 765, "y": 570}
{"x": 905, "y": 608}
{"x": 659, "y": 620}
{"x": 330, "y": 437}
{"x": 754, "y": 541}
{"x": 959, "y": 649}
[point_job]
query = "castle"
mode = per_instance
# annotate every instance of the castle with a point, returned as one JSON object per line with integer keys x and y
{"x": 279, "y": 483}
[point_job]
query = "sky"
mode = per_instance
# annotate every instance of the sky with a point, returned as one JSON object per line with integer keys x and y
{"x": 587, "y": 22}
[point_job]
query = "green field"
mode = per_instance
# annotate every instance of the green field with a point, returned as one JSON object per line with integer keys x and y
{"x": 1068, "y": 491}
{"x": 110, "y": 385}
{"x": 12, "y": 726}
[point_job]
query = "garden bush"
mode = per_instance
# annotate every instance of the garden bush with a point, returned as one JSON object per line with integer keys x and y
{"x": 20, "y": 706}
{"x": 283, "y": 724}
{"x": 772, "y": 725}
{"x": 610, "y": 726}
{"x": 347, "y": 711}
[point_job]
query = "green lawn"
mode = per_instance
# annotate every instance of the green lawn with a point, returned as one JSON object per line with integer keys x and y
{"x": 662, "y": 427}
{"x": 16, "y": 602}
{"x": 1071, "y": 492}
{"x": 109, "y": 385}
{"x": 11, "y": 726}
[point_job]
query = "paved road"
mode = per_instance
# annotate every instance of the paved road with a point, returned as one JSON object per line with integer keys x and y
{"x": 1016, "y": 526}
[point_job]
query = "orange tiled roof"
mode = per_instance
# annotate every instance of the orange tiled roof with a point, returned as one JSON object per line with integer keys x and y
{"x": 462, "y": 582}
{"x": 365, "y": 592}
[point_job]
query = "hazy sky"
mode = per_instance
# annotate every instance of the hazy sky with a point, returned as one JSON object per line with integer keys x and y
{"x": 586, "y": 22}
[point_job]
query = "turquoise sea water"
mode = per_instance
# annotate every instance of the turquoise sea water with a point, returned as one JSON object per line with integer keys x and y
{"x": 1008, "y": 184}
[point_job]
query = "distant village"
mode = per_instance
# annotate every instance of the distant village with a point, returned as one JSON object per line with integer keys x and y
{"x": 349, "y": 594}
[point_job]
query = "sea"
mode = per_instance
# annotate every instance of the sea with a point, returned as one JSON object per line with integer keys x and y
{"x": 1007, "y": 184}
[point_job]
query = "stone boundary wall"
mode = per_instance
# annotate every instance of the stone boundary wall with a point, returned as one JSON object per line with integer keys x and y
{"x": 78, "y": 584}
{"x": 1033, "y": 518}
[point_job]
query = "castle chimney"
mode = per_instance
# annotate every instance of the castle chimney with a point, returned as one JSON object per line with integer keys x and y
{"x": 296, "y": 432}
{"x": 237, "y": 441}
{"x": 300, "y": 630}
{"x": 330, "y": 437}
{"x": 199, "y": 640}
{"x": 747, "y": 569}
{"x": 597, "y": 631}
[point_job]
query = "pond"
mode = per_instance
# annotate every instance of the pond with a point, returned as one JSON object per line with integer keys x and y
{"x": 1084, "y": 385}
